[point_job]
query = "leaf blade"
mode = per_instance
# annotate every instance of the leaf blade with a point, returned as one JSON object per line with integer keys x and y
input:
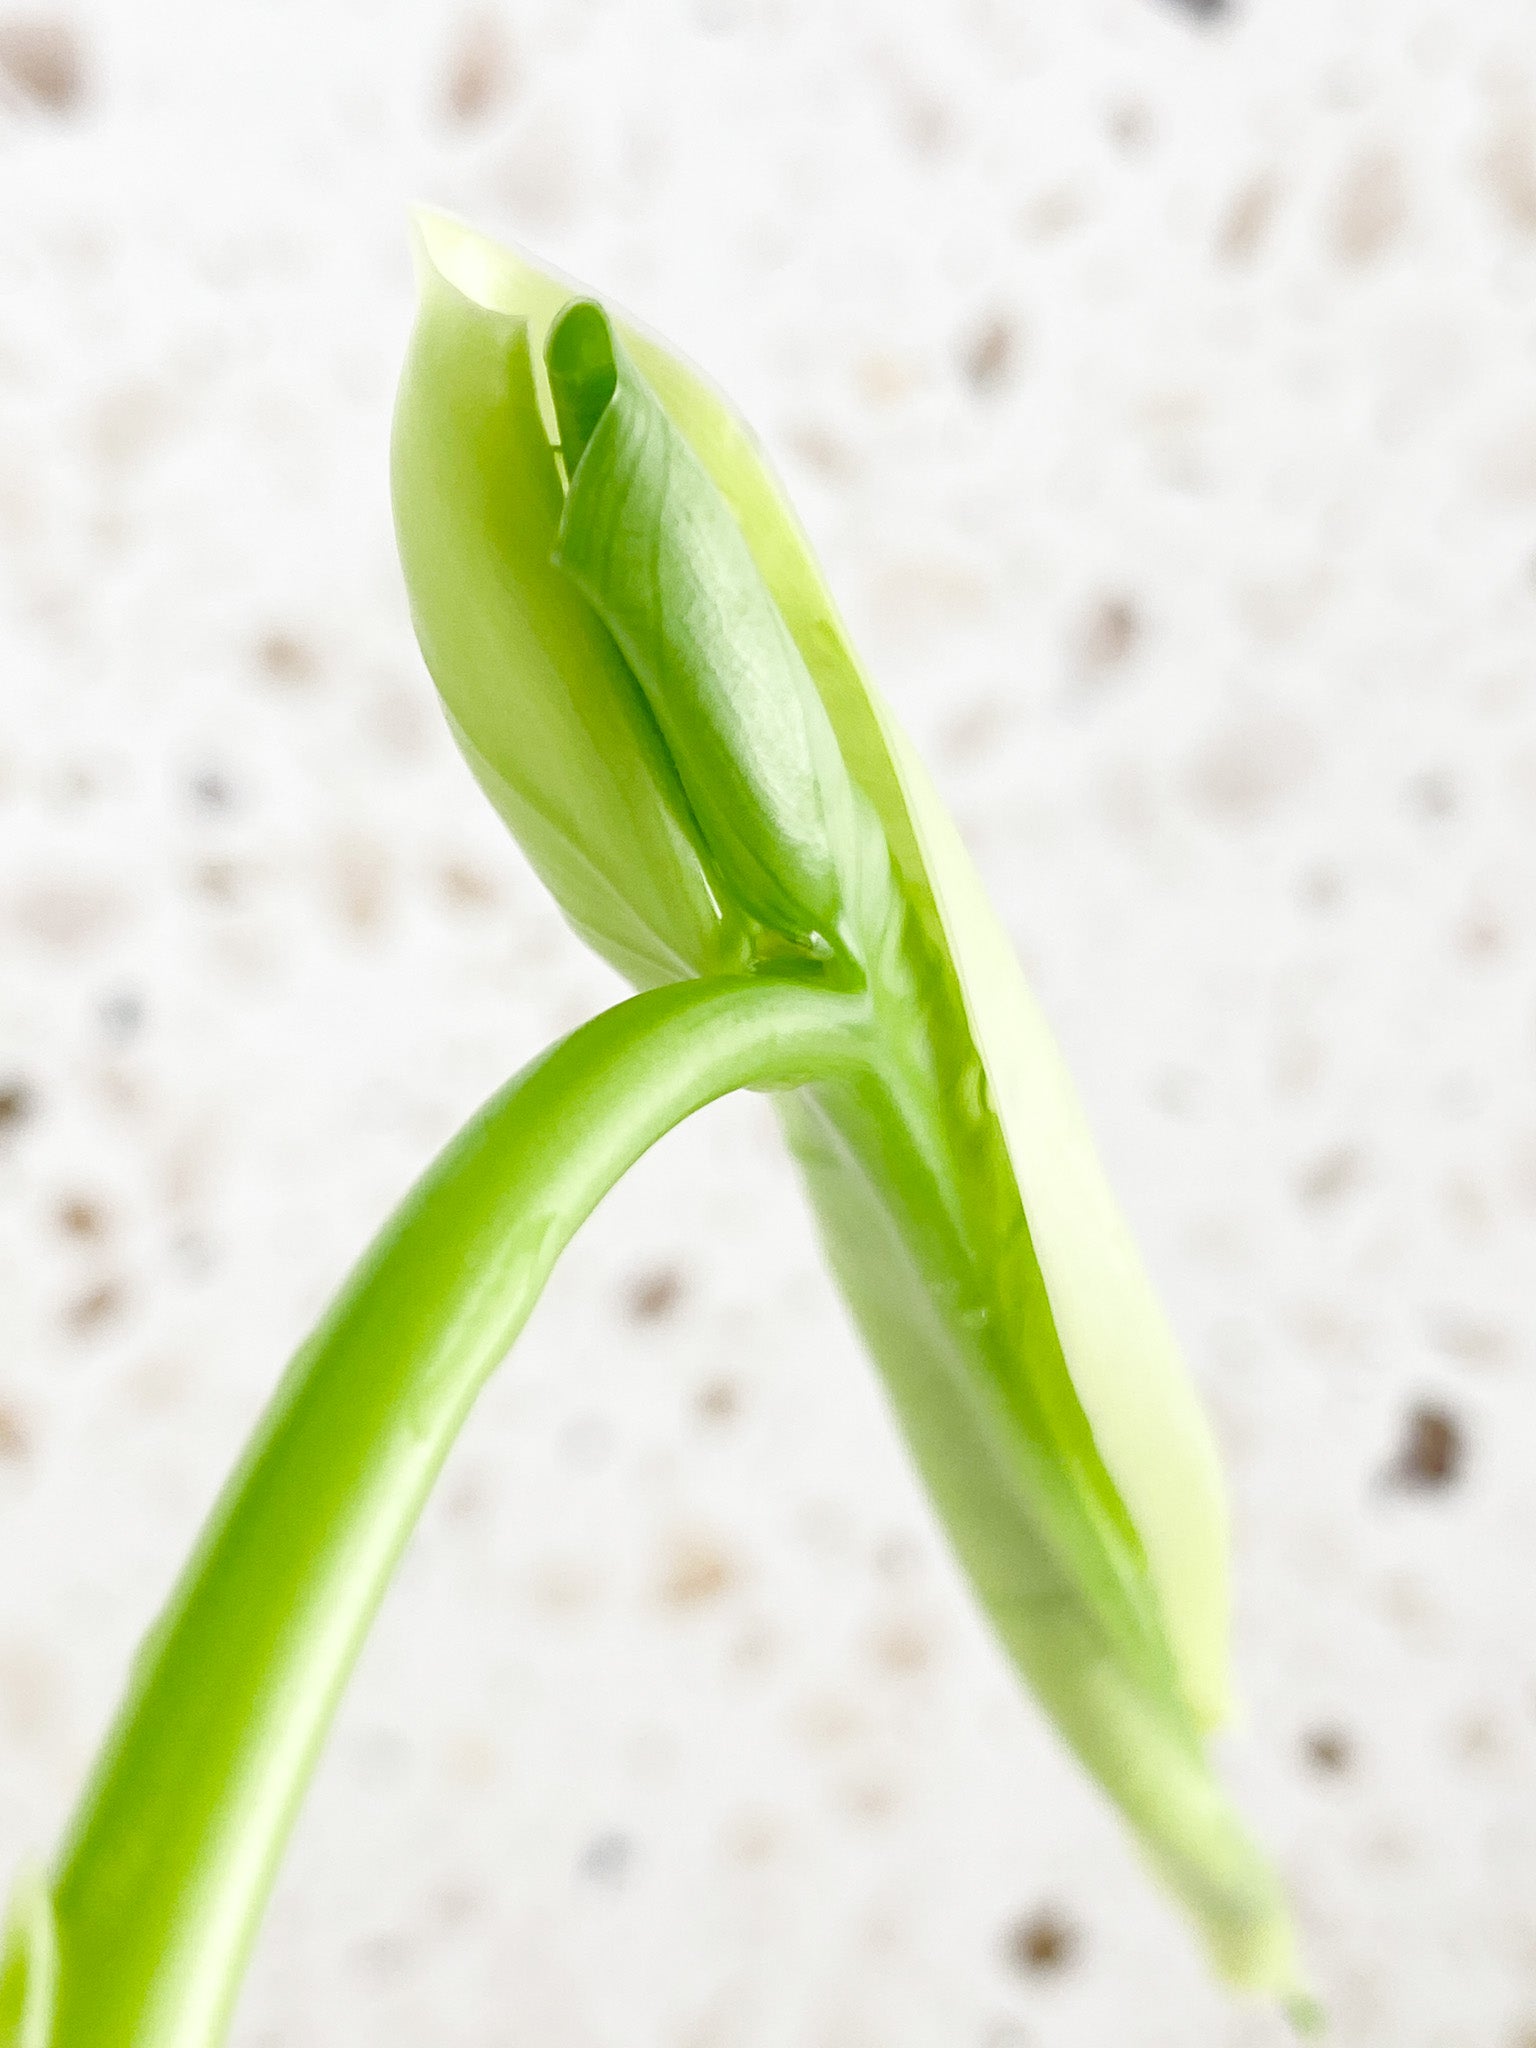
{"x": 555, "y": 726}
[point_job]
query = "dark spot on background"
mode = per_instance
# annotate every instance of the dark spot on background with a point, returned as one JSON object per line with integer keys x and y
{"x": 1109, "y": 634}
{"x": 218, "y": 880}
{"x": 819, "y": 449}
{"x": 925, "y": 124}
{"x": 1203, "y": 10}
{"x": 1321, "y": 888}
{"x": 1041, "y": 1943}
{"x": 456, "y": 1905}
{"x": 81, "y": 1217}
{"x": 990, "y": 356}
{"x": 15, "y": 1437}
{"x": 1478, "y": 1739}
{"x": 1248, "y": 220}
{"x": 92, "y": 1310}
{"x": 1482, "y": 935}
{"x": 655, "y": 1295}
{"x": 1131, "y": 124}
{"x": 718, "y": 1401}
{"x": 1432, "y": 793}
{"x": 480, "y": 74}
{"x": 466, "y": 886}
{"x": 1432, "y": 1452}
{"x": 285, "y": 659}
{"x": 694, "y": 1571}
{"x": 868, "y": 1798}
{"x": 608, "y": 1857}
{"x": 974, "y": 730}
{"x": 122, "y": 1015}
{"x": 902, "y": 1647}
{"x": 42, "y": 58}
{"x": 1250, "y": 763}
{"x": 212, "y": 789}
{"x": 17, "y": 1103}
{"x": 66, "y": 912}
{"x": 1370, "y": 209}
{"x": 359, "y": 883}
{"x": 1510, "y": 170}
{"x": 1332, "y": 1174}
{"x": 383, "y": 1955}
{"x": 1328, "y": 1750}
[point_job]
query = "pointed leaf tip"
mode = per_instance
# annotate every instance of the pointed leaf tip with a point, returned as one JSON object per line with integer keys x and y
{"x": 583, "y": 375}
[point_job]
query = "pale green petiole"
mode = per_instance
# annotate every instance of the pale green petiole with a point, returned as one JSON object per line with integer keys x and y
{"x": 158, "y": 1889}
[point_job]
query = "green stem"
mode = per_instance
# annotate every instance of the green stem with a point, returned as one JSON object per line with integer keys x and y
{"x": 165, "y": 1872}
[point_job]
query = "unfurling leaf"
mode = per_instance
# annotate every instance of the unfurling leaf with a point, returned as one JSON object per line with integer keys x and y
{"x": 638, "y": 656}
{"x": 964, "y": 1212}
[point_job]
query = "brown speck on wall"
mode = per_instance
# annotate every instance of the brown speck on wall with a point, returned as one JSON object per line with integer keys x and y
{"x": 902, "y": 1646}
{"x": 480, "y": 75}
{"x": 656, "y": 1295}
{"x": 30, "y": 1693}
{"x": 1131, "y": 125}
{"x": 1371, "y": 208}
{"x": 81, "y": 1217}
{"x": 41, "y": 59}
{"x": 64, "y": 912}
{"x": 1110, "y": 633}
{"x": 608, "y": 1857}
{"x": 1248, "y": 220}
{"x": 466, "y": 886}
{"x": 1331, "y": 1175}
{"x": 1328, "y": 1750}
{"x": 718, "y": 1400}
{"x": 16, "y": 1104}
{"x": 1509, "y": 168}
{"x": 93, "y": 1310}
{"x": 285, "y": 659}
{"x": 1432, "y": 1451}
{"x": 695, "y": 1570}
{"x": 1041, "y": 1943}
{"x": 15, "y": 1437}
{"x": 991, "y": 355}
{"x": 1433, "y": 794}
{"x": 1249, "y": 763}
{"x": 868, "y": 1799}
{"x": 359, "y": 879}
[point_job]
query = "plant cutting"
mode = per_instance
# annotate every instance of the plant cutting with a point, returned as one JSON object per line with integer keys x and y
{"x": 643, "y": 668}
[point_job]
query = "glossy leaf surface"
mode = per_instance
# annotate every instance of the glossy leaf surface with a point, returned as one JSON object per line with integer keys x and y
{"x": 958, "y": 1191}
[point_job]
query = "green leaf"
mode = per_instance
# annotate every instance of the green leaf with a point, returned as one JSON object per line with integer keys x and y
{"x": 1134, "y": 1388}
{"x": 650, "y": 542}
{"x": 964, "y": 1211}
{"x": 29, "y": 1966}
{"x": 542, "y": 704}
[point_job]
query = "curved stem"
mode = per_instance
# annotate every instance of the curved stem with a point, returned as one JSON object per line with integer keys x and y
{"x": 164, "y": 1874}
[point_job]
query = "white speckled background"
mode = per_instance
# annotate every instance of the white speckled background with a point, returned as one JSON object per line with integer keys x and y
{"x": 1160, "y": 383}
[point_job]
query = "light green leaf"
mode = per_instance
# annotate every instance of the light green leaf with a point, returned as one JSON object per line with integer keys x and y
{"x": 649, "y": 540}
{"x": 29, "y": 1965}
{"x": 539, "y": 698}
{"x": 1125, "y": 1367}
{"x": 1047, "y": 1405}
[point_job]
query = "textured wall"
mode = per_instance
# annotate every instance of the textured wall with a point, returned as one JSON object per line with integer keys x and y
{"x": 1160, "y": 384}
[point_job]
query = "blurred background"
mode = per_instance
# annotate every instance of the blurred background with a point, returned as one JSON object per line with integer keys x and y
{"x": 1159, "y": 383}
